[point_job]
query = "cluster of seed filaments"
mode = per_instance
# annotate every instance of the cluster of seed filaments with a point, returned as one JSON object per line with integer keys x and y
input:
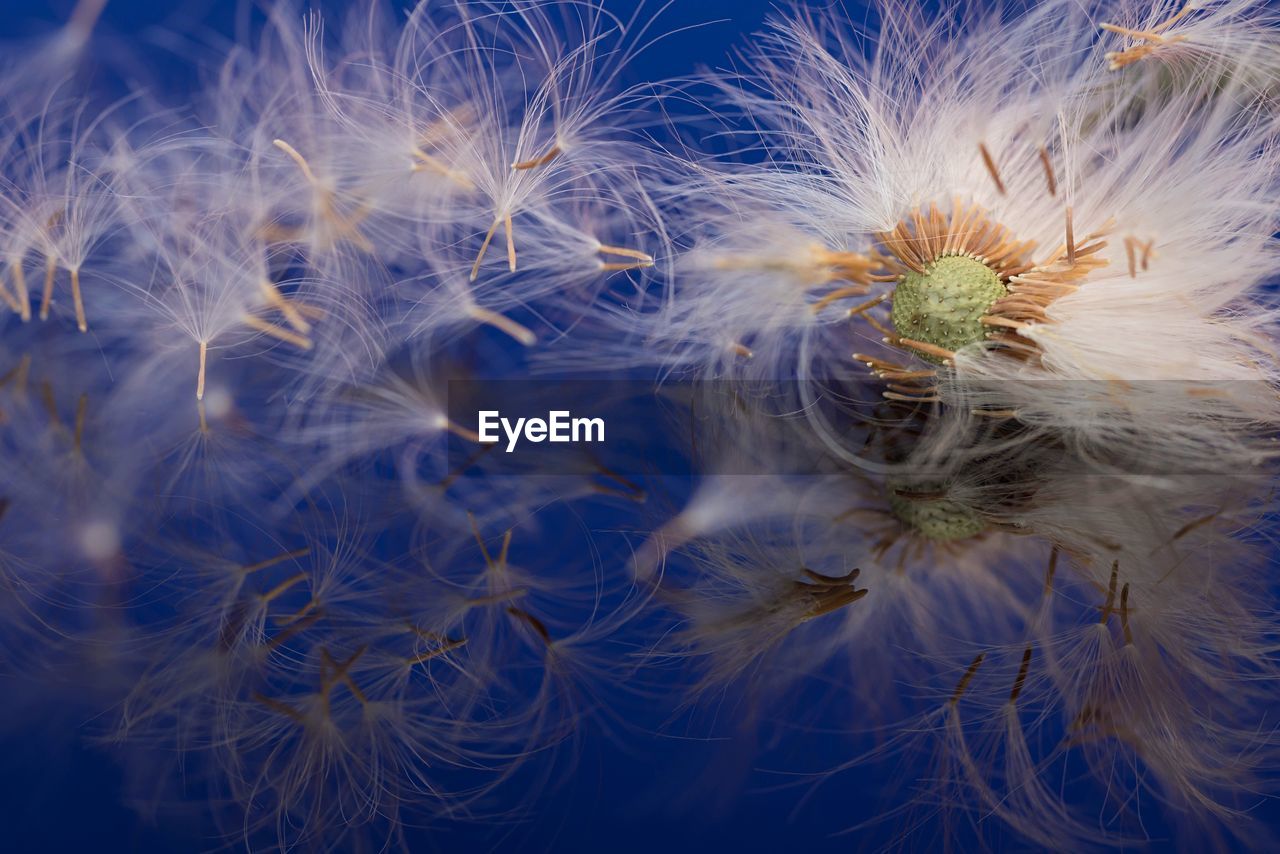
{"x": 944, "y": 305}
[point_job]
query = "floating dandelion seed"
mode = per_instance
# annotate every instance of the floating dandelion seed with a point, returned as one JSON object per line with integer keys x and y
{"x": 1213, "y": 37}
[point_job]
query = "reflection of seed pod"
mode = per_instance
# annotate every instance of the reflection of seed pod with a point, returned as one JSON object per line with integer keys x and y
{"x": 924, "y": 509}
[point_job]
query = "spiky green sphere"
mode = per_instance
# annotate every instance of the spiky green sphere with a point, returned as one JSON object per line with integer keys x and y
{"x": 944, "y": 305}
{"x": 934, "y": 518}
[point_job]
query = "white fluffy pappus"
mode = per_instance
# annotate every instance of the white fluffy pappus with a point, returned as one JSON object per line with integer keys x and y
{"x": 438, "y": 146}
{"x": 1071, "y": 224}
{"x": 337, "y": 190}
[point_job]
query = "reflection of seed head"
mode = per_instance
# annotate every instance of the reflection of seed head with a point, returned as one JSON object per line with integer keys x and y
{"x": 945, "y": 304}
{"x": 939, "y": 519}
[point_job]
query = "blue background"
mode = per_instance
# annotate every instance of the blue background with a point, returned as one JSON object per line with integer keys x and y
{"x": 630, "y": 790}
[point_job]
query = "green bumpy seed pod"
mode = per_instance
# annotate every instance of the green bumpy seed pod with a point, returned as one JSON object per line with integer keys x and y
{"x": 937, "y": 519}
{"x": 944, "y": 305}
